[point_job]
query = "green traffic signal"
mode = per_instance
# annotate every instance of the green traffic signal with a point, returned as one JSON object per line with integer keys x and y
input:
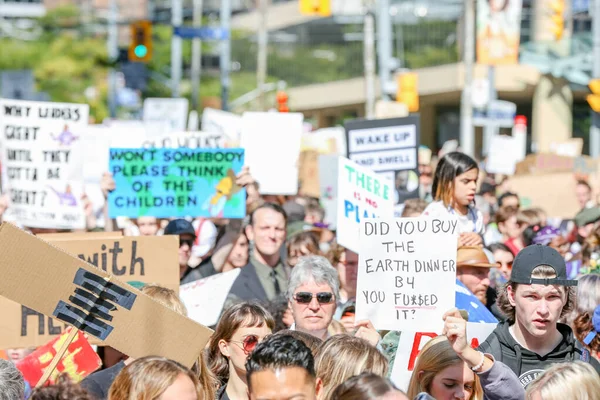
{"x": 140, "y": 51}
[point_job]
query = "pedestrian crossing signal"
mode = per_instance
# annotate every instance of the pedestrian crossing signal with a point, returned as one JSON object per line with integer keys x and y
{"x": 140, "y": 47}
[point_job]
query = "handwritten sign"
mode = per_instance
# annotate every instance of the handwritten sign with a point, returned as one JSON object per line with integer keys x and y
{"x": 406, "y": 274}
{"x": 388, "y": 147}
{"x": 79, "y": 361}
{"x": 411, "y": 344}
{"x": 192, "y": 140}
{"x": 42, "y": 155}
{"x": 173, "y": 112}
{"x": 212, "y": 290}
{"x": 176, "y": 183}
{"x": 350, "y": 193}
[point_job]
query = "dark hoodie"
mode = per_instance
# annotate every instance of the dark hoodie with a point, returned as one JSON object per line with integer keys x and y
{"x": 526, "y": 364}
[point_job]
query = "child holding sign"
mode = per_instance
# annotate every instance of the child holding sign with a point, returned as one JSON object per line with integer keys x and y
{"x": 454, "y": 187}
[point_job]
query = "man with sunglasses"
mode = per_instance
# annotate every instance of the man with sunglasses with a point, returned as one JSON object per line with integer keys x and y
{"x": 187, "y": 235}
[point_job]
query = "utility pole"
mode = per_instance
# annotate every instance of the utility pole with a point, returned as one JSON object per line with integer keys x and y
{"x": 196, "y": 55}
{"x": 225, "y": 16}
{"x": 595, "y": 126}
{"x": 384, "y": 44}
{"x": 176, "y": 20}
{"x": 113, "y": 54}
{"x": 467, "y": 136}
{"x": 261, "y": 65}
{"x": 369, "y": 60}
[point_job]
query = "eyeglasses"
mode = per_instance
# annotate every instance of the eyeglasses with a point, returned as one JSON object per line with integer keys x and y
{"x": 189, "y": 242}
{"x": 306, "y": 297}
{"x": 248, "y": 344}
{"x": 508, "y": 264}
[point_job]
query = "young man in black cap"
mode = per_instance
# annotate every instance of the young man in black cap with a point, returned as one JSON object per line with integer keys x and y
{"x": 537, "y": 295}
{"x": 187, "y": 235}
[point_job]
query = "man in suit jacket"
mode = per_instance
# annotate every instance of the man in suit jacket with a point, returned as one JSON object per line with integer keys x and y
{"x": 265, "y": 276}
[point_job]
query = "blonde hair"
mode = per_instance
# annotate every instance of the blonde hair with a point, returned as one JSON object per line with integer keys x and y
{"x": 436, "y": 356}
{"x": 148, "y": 378}
{"x": 166, "y": 297}
{"x": 169, "y": 298}
{"x": 540, "y": 272}
{"x": 341, "y": 357}
{"x": 570, "y": 380}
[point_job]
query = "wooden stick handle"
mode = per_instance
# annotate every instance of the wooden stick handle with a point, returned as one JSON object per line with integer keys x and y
{"x": 48, "y": 371}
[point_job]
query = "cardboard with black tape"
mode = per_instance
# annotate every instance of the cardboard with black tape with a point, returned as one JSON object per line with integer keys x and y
{"x": 50, "y": 281}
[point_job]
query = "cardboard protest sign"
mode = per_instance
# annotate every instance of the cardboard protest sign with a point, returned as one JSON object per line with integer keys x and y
{"x": 176, "y": 183}
{"x": 79, "y": 361}
{"x": 406, "y": 272}
{"x": 190, "y": 140}
{"x": 388, "y": 147}
{"x": 54, "y": 283}
{"x": 272, "y": 145}
{"x": 411, "y": 343}
{"x": 350, "y": 193}
{"x": 212, "y": 290}
{"x": 147, "y": 259}
{"x": 42, "y": 155}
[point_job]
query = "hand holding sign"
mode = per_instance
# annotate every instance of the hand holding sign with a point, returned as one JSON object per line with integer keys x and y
{"x": 107, "y": 184}
{"x": 455, "y": 329}
{"x": 367, "y": 331}
{"x": 244, "y": 178}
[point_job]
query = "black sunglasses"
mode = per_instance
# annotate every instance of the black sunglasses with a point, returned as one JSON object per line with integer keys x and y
{"x": 189, "y": 242}
{"x": 306, "y": 297}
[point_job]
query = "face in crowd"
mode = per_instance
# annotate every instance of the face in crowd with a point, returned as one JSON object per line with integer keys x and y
{"x": 537, "y": 307}
{"x": 476, "y": 279}
{"x": 465, "y": 187}
{"x": 504, "y": 261}
{"x": 267, "y": 232}
{"x": 186, "y": 241}
{"x": 348, "y": 270}
{"x": 313, "y": 306}
{"x": 148, "y": 226}
{"x": 238, "y": 257}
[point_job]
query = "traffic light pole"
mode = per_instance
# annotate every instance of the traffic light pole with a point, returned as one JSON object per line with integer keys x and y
{"x": 467, "y": 135}
{"x": 384, "y": 44}
{"x": 225, "y": 16}
{"x": 113, "y": 53}
{"x": 176, "y": 20}
{"x": 196, "y": 55}
{"x": 595, "y": 126}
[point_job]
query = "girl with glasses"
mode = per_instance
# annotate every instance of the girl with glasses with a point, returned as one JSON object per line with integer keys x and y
{"x": 240, "y": 329}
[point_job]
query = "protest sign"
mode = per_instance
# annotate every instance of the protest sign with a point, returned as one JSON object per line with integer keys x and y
{"x": 173, "y": 112}
{"x": 212, "y": 290}
{"x": 411, "y": 343}
{"x": 176, "y": 183}
{"x": 272, "y": 145}
{"x": 79, "y": 361}
{"x": 222, "y": 123}
{"x": 388, "y": 147}
{"x": 350, "y": 193}
{"x": 190, "y": 140}
{"x": 147, "y": 259}
{"x": 54, "y": 283}
{"x": 42, "y": 155}
{"x": 406, "y": 272}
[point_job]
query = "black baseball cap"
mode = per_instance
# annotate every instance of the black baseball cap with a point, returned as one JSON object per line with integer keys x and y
{"x": 180, "y": 227}
{"x": 532, "y": 257}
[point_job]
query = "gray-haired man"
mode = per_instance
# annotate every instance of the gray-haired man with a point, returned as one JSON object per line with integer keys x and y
{"x": 12, "y": 386}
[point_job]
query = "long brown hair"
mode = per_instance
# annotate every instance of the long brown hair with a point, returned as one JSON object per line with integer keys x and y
{"x": 148, "y": 378}
{"x": 235, "y": 317}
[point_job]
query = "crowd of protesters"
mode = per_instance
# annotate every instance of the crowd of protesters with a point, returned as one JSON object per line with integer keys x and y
{"x": 288, "y": 329}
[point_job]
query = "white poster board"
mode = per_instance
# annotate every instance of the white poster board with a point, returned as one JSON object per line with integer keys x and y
{"x": 350, "y": 193}
{"x": 192, "y": 140}
{"x": 406, "y": 272}
{"x": 272, "y": 144}
{"x": 411, "y": 343}
{"x": 42, "y": 154}
{"x": 204, "y": 299}
{"x": 503, "y": 155}
{"x": 173, "y": 111}
{"x": 224, "y": 123}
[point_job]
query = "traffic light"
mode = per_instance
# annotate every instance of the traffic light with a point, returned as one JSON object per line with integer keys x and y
{"x": 408, "y": 91}
{"x": 557, "y": 16}
{"x": 315, "y": 7}
{"x": 282, "y": 99}
{"x": 140, "y": 47}
{"x": 594, "y": 98}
